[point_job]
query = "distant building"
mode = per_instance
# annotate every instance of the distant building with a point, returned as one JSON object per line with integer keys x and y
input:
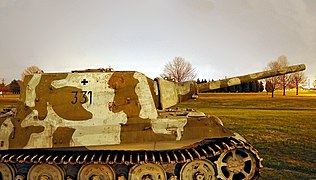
{"x": 5, "y": 89}
{"x": 2, "y": 85}
{"x": 310, "y": 82}
{"x": 13, "y": 88}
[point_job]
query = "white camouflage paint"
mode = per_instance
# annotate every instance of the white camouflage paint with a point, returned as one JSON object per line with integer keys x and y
{"x": 168, "y": 93}
{"x": 148, "y": 108}
{"x": 215, "y": 85}
{"x": 104, "y": 127}
{"x": 156, "y": 88}
{"x": 38, "y": 140}
{"x": 30, "y": 90}
{"x": 233, "y": 82}
{"x": 256, "y": 75}
{"x": 5, "y": 130}
{"x": 169, "y": 126}
{"x": 184, "y": 88}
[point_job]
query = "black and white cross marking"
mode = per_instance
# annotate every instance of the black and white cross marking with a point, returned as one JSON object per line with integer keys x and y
{"x": 84, "y": 82}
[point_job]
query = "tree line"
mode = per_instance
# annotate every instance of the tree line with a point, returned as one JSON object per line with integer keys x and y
{"x": 252, "y": 86}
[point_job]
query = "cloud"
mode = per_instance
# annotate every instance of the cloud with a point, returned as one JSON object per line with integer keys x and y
{"x": 227, "y": 37}
{"x": 6, "y": 3}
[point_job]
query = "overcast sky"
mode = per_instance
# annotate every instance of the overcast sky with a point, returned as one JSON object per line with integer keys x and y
{"x": 219, "y": 37}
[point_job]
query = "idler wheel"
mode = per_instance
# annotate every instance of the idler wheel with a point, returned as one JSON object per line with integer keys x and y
{"x": 198, "y": 170}
{"x": 147, "y": 171}
{"x": 96, "y": 172}
{"x": 45, "y": 172}
{"x": 236, "y": 164}
{"x": 6, "y": 171}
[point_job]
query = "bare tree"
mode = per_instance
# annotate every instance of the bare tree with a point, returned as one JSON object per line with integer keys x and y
{"x": 297, "y": 78}
{"x": 272, "y": 81}
{"x": 270, "y": 85}
{"x": 282, "y": 81}
{"x": 286, "y": 79}
{"x": 31, "y": 70}
{"x": 179, "y": 70}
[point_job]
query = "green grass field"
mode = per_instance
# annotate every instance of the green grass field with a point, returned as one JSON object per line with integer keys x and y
{"x": 282, "y": 129}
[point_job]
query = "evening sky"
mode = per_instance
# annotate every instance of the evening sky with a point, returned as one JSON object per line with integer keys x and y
{"x": 219, "y": 37}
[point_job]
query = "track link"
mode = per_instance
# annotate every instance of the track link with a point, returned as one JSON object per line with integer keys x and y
{"x": 207, "y": 149}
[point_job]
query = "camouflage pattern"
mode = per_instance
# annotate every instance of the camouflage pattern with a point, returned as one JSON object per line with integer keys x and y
{"x": 94, "y": 110}
{"x": 250, "y": 77}
{"x": 111, "y": 110}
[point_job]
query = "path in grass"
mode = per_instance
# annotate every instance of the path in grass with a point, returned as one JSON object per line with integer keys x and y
{"x": 282, "y": 129}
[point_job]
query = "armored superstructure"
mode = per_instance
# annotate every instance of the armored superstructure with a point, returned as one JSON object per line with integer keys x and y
{"x": 105, "y": 124}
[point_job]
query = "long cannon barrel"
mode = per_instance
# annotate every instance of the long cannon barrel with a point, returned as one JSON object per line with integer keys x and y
{"x": 171, "y": 93}
{"x": 249, "y": 77}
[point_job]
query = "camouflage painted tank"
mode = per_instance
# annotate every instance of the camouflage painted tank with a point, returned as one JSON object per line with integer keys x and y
{"x": 99, "y": 124}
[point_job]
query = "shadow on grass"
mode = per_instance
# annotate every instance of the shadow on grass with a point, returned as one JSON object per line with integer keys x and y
{"x": 287, "y": 160}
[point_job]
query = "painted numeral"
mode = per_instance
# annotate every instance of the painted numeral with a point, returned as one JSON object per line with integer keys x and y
{"x": 84, "y": 95}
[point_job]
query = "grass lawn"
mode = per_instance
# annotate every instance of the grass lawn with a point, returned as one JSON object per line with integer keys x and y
{"x": 282, "y": 129}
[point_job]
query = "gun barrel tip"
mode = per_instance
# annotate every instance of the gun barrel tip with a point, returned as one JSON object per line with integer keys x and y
{"x": 302, "y": 67}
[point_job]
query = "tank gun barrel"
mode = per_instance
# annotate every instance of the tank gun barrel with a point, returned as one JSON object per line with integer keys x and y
{"x": 249, "y": 77}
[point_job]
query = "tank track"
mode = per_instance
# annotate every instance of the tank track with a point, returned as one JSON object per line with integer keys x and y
{"x": 122, "y": 162}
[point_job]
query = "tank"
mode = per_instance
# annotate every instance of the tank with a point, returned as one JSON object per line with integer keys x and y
{"x": 107, "y": 125}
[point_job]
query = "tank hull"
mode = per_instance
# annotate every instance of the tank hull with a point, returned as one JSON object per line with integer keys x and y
{"x": 169, "y": 146}
{"x": 104, "y": 124}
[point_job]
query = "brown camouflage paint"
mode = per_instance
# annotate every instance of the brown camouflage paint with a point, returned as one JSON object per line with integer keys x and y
{"x": 20, "y": 136}
{"x": 60, "y": 99}
{"x": 62, "y": 136}
{"x": 205, "y": 127}
{"x": 136, "y": 127}
{"x": 140, "y": 130}
{"x": 125, "y": 98}
{"x": 152, "y": 90}
{"x": 196, "y": 128}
